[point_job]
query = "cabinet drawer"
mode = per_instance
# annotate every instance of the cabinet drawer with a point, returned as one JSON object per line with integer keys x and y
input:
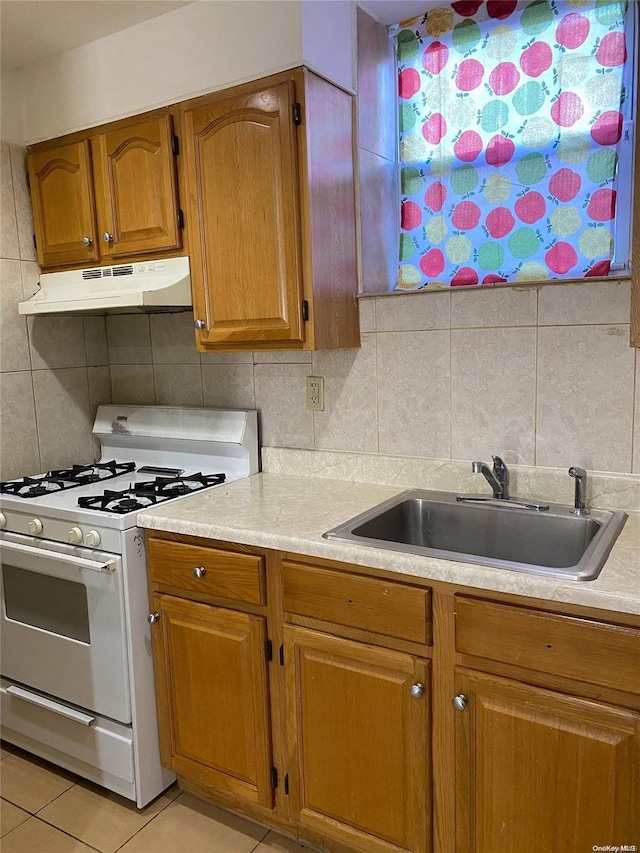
{"x": 227, "y": 574}
{"x": 371, "y": 604}
{"x": 566, "y": 646}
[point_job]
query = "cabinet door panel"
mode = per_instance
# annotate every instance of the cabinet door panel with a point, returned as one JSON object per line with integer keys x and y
{"x": 241, "y": 164}
{"x": 539, "y": 771}
{"x": 136, "y": 188}
{"x": 63, "y": 204}
{"x": 213, "y": 696}
{"x": 360, "y": 742}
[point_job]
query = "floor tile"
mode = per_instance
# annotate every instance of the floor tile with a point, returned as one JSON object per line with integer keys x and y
{"x": 34, "y": 836}
{"x": 99, "y": 817}
{"x": 276, "y": 843}
{"x": 192, "y": 825}
{"x": 31, "y": 783}
{"x": 11, "y": 816}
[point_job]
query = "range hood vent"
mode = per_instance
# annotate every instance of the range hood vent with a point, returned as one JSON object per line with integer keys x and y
{"x": 127, "y": 288}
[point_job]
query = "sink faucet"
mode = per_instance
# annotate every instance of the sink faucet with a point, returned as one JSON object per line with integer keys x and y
{"x": 498, "y": 479}
{"x": 580, "y": 476}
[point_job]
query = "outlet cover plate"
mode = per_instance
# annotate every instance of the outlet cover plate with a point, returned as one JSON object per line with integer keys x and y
{"x": 315, "y": 393}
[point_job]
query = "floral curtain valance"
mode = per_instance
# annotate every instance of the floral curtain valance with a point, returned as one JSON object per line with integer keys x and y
{"x": 511, "y": 116}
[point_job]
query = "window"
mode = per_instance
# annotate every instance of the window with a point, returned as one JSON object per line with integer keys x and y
{"x": 516, "y": 141}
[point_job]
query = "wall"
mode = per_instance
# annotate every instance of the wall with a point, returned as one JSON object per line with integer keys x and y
{"x": 53, "y": 371}
{"x": 543, "y": 376}
{"x": 11, "y": 108}
{"x": 194, "y": 49}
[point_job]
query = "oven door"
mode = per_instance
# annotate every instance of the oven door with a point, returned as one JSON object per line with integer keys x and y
{"x": 63, "y": 623}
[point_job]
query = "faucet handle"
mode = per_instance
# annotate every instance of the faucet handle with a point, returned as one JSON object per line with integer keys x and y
{"x": 500, "y": 469}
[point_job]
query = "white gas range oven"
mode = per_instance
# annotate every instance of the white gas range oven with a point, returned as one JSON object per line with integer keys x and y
{"x": 77, "y": 684}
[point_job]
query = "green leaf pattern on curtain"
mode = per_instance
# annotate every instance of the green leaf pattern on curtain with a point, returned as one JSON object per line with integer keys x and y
{"x": 510, "y": 123}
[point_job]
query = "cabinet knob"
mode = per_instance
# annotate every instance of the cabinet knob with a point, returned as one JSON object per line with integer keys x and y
{"x": 417, "y": 690}
{"x": 153, "y": 617}
{"x": 199, "y": 572}
{"x": 87, "y": 241}
{"x": 108, "y": 238}
{"x": 459, "y": 702}
{"x": 199, "y": 324}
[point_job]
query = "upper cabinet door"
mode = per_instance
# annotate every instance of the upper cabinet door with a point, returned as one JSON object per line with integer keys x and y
{"x": 243, "y": 205}
{"x": 63, "y": 204}
{"x": 136, "y": 188}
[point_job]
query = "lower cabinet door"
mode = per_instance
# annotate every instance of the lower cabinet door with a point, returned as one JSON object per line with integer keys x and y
{"x": 540, "y": 772}
{"x": 211, "y": 682}
{"x": 358, "y": 722}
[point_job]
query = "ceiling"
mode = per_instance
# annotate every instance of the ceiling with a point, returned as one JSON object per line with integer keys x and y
{"x": 394, "y": 11}
{"x": 33, "y": 30}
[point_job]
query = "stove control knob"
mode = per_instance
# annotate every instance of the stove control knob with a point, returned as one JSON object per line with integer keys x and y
{"x": 92, "y": 539}
{"x": 74, "y": 535}
{"x": 3, "y": 520}
{"x": 34, "y": 526}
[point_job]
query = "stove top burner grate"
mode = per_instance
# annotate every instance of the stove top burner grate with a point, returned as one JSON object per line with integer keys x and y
{"x": 65, "y": 478}
{"x": 141, "y": 495}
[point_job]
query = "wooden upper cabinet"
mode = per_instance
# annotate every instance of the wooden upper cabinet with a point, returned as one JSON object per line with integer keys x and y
{"x": 537, "y": 770}
{"x": 114, "y": 185}
{"x": 63, "y": 204}
{"x": 241, "y": 162}
{"x": 270, "y": 195}
{"x": 136, "y": 188}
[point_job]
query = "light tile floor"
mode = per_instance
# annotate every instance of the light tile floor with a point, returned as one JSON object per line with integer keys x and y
{"x": 45, "y": 809}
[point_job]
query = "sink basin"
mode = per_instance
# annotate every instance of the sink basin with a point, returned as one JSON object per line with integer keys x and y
{"x": 555, "y": 542}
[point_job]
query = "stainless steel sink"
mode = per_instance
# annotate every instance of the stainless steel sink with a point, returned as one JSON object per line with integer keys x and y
{"x": 555, "y": 543}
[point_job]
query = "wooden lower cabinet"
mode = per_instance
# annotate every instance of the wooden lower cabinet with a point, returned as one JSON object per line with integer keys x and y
{"x": 289, "y": 692}
{"x": 540, "y": 772}
{"x": 359, "y": 718}
{"x": 213, "y": 696}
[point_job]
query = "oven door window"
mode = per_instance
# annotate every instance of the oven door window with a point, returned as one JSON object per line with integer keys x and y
{"x": 53, "y": 604}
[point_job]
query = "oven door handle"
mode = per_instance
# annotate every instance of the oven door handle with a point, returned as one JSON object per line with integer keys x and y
{"x": 50, "y": 705}
{"x": 68, "y": 559}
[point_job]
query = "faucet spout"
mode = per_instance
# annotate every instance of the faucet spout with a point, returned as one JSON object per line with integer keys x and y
{"x": 580, "y": 476}
{"x": 498, "y": 478}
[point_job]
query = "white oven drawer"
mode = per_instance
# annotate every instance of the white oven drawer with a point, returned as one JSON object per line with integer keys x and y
{"x": 101, "y": 751}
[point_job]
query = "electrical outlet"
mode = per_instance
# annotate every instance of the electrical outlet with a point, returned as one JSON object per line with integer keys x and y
{"x": 315, "y": 393}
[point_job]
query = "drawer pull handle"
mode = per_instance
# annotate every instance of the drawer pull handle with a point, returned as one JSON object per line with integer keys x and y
{"x": 152, "y": 618}
{"x": 199, "y": 572}
{"x": 417, "y": 690}
{"x": 50, "y": 705}
{"x": 459, "y": 702}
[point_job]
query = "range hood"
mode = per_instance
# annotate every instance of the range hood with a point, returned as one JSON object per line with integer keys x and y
{"x": 122, "y": 289}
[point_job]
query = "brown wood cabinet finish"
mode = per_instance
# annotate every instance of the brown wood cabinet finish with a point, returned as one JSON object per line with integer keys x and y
{"x": 119, "y": 181}
{"x": 395, "y": 610}
{"x": 359, "y": 760}
{"x": 273, "y": 211}
{"x": 537, "y": 770}
{"x": 227, "y": 574}
{"x": 213, "y": 696}
{"x": 63, "y": 203}
{"x": 136, "y": 188}
{"x": 544, "y": 755}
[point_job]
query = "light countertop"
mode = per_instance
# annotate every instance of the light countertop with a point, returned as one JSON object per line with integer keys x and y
{"x": 290, "y": 513}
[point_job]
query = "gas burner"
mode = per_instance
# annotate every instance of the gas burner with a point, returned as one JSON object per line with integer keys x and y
{"x": 81, "y": 474}
{"x": 141, "y": 495}
{"x": 32, "y": 487}
{"x": 65, "y": 478}
{"x": 173, "y": 487}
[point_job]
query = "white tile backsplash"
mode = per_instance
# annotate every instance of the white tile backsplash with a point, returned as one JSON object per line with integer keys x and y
{"x": 542, "y": 375}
